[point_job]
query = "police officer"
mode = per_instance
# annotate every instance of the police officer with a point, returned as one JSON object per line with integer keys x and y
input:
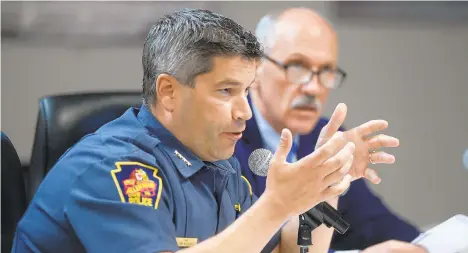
{"x": 162, "y": 178}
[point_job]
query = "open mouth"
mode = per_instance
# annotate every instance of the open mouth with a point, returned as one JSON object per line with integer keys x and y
{"x": 234, "y": 135}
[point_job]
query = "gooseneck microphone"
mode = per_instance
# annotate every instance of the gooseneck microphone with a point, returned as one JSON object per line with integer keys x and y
{"x": 259, "y": 162}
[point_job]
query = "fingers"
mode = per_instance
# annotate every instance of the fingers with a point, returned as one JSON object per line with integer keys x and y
{"x": 337, "y": 189}
{"x": 381, "y": 141}
{"x": 338, "y": 175}
{"x": 382, "y": 157}
{"x": 336, "y": 120}
{"x": 284, "y": 146}
{"x": 323, "y": 153}
{"x": 372, "y": 176}
{"x": 371, "y": 127}
{"x": 338, "y": 161}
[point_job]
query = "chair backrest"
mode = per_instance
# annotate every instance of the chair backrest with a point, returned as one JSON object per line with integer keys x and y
{"x": 65, "y": 119}
{"x": 13, "y": 192}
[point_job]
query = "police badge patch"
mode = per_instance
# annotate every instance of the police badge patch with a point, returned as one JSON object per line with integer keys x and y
{"x": 137, "y": 183}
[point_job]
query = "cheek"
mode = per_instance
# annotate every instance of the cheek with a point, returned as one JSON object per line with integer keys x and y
{"x": 191, "y": 114}
{"x": 214, "y": 113}
{"x": 279, "y": 96}
{"x": 324, "y": 95}
{"x": 277, "y": 93}
{"x": 288, "y": 95}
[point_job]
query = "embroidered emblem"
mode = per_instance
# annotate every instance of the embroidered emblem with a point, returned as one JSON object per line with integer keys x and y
{"x": 182, "y": 158}
{"x": 137, "y": 183}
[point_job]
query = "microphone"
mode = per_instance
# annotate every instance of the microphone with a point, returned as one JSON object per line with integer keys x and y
{"x": 259, "y": 162}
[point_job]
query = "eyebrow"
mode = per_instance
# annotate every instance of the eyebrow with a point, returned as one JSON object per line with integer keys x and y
{"x": 298, "y": 57}
{"x": 233, "y": 82}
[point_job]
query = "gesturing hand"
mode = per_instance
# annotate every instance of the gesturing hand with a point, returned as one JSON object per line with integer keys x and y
{"x": 367, "y": 146}
{"x": 320, "y": 176}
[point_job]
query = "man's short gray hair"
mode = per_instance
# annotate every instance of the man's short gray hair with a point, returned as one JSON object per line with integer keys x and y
{"x": 183, "y": 43}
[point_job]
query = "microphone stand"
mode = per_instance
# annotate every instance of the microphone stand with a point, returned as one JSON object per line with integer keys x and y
{"x": 304, "y": 233}
{"x": 310, "y": 220}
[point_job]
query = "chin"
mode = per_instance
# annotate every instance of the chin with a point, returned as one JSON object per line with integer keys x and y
{"x": 224, "y": 153}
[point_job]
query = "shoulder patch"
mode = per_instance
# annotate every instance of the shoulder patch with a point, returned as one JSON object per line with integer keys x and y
{"x": 137, "y": 183}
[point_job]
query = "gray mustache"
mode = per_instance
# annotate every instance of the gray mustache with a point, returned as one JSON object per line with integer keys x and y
{"x": 306, "y": 101}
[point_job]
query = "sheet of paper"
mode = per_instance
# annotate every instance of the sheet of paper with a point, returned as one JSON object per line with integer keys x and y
{"x": 451, "y": 236}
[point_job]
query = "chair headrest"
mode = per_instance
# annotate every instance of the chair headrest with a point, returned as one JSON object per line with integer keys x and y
{"x": 65, "y": 119}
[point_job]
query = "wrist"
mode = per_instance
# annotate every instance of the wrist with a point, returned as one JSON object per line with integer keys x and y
{"x": 275, "y": 206}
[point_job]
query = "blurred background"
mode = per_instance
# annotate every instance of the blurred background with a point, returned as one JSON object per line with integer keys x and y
{"x": 406, "y": 61}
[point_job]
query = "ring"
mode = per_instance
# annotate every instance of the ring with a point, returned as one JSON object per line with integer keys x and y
{"x": 370, "y": 157}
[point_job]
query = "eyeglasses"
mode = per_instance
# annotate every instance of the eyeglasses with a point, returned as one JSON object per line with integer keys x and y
{"x": 297, "y": 73}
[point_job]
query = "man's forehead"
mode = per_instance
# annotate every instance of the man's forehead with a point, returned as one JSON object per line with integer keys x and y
{"x": 303, "y": 31}
{"x": 305, "y": 20}
{"x": 233, "y": 61}
{"x": 292, "y": 30}
{"x": 233, "y": 68}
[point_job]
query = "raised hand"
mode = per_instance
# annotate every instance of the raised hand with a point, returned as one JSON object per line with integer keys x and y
{"x": 367, "y": 144}
{"x": 320, "y": 176}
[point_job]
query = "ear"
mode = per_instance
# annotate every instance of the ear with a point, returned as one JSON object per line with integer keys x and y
{"x": 166, "y": 87}
{"x": 255, "y": 85}
{"x": 258, "y": 73}
{"x": 259, "y": 67}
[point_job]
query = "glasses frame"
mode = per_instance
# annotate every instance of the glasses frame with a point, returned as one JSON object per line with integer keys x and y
{"x": 312, "y": 72}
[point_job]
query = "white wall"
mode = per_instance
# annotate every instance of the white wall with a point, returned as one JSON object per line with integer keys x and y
{"x": 413, "y": 75}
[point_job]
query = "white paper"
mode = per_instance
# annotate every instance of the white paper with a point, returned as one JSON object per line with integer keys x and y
{"x": 451, "y": 236}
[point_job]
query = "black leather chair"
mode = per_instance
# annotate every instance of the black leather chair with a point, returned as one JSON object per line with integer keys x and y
{"x": 65, "y": 119}
{"x": 13, "y": 192}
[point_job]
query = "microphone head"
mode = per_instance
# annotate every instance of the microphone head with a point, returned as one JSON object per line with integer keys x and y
{"x": 259, "y": 161}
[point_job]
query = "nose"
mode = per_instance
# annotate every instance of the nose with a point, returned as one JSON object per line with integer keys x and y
{"x": 313, "y": 87}
{"x": 241, "y": 110}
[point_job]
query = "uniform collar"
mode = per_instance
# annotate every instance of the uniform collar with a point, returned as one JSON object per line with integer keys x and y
{"x": 185, "y": 160}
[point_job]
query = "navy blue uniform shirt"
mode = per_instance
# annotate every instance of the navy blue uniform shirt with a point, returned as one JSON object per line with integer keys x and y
{"x": 133, "y": 187}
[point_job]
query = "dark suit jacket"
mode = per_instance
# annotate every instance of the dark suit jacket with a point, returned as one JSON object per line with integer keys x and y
{"x": 371, "y": 221}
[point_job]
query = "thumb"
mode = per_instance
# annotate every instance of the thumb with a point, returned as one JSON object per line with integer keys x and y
{"x": 284, "y": 146}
